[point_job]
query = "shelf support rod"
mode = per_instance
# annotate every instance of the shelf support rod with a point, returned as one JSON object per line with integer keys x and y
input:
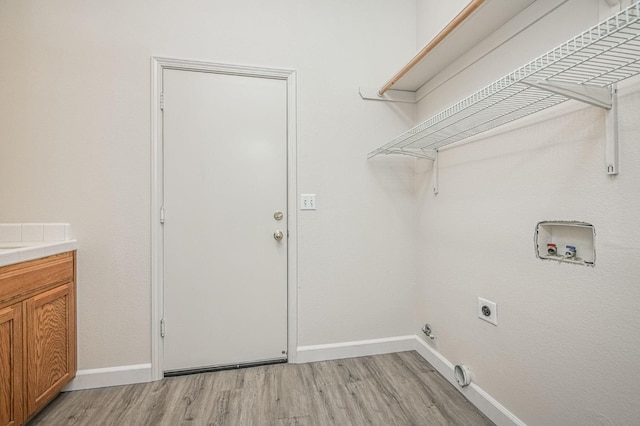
{"x": 435, "y": 172}
{"x": 611, "y": 137}
{"x": 464, "y": 14}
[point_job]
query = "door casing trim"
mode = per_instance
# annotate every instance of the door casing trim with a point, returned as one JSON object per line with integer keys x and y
{"x": 158, "y": 65}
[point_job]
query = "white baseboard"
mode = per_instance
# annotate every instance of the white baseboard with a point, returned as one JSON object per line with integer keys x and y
{"x": 353, "y": 349}
{"x": 111, "y": 376}
{"x": 474, "y": 393}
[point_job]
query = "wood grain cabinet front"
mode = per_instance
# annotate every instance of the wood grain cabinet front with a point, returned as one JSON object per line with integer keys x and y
{"x": 37, "y": 334}
{"x": 11, "y": 365}
{"x": 49, "y": 350}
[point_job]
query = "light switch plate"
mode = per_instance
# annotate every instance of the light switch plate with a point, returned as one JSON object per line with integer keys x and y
{"x": 307, "y": 201}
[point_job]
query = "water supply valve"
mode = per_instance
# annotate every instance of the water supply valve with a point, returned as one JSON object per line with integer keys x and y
{"x": 570, "y": 252}
{"x": 426, "y": 329}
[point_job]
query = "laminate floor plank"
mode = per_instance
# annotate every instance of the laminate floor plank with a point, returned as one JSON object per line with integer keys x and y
{"x": 425, "y": 390}
{"x": 392, "y": 389}
{"x": 301, "y": 402}
{"x": 430, "y": 381}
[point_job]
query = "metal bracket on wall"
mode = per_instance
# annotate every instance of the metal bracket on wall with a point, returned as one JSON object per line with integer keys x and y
{"x": 389, "y": 95}
{"x": 603, "y": 97}
{"x": 429, "y": 154}
{"x": 435, "y": 172}
{"x": 611, "y": 140}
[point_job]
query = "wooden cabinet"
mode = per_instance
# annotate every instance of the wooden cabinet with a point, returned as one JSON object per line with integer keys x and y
{"x": 10, "y": 365}
{"x": 37, "y": 334}
{"x": 49, "y": 349}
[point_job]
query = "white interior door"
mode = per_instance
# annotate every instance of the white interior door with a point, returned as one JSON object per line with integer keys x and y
{"x": 225, "y": 177}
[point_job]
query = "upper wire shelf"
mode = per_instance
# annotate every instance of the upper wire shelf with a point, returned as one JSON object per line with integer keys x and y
{"x": 599, "y": 57}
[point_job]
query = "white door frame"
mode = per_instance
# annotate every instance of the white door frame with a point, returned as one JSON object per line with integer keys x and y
{"x": 158, "y": 64}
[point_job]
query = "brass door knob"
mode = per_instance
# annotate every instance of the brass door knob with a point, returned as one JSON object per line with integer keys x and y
{"x": 278, "y": 235}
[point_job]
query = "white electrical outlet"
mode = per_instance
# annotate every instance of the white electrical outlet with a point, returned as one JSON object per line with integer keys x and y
{"x": 307, "y": 201}
{"x": 488, "y": 310}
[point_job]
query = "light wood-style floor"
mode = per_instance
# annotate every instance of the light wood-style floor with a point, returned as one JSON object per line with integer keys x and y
{"x": 393, "y": 389}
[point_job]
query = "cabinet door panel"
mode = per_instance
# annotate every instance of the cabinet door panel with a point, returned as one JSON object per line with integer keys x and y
{"x": 49, "y": 344}
{"x": 11, "y": 366}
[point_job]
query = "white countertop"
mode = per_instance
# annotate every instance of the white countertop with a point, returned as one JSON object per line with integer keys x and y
{"x": 16, "y": 252}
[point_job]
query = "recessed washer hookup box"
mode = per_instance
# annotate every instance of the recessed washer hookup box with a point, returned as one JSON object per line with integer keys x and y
{"x": 566, "y": 241}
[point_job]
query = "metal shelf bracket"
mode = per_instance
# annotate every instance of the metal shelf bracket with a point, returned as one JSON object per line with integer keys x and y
{"x": 600, "y": 96}
{"x": 389, "y": 95}
{"x": 611, "y": 138}
{"x": 435, "y": 173}
{"x": 429, "y": 154}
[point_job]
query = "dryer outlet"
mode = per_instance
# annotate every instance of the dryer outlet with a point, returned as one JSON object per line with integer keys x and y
{"x": 488, "y": 310}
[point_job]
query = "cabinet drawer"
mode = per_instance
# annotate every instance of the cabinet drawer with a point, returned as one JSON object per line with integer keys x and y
{"x": 19, "y": 281}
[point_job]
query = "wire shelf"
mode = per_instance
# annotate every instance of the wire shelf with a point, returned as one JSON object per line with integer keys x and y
{"x": 601, "y": 56}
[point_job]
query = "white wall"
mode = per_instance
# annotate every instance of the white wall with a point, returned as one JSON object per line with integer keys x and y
{"x": 433, "y": 16}
{"x": 75, "y": 147}
{"x": 565, "y": 348}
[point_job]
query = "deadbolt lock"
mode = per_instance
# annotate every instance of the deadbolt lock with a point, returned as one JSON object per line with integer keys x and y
{"x": 278, "y": 215}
